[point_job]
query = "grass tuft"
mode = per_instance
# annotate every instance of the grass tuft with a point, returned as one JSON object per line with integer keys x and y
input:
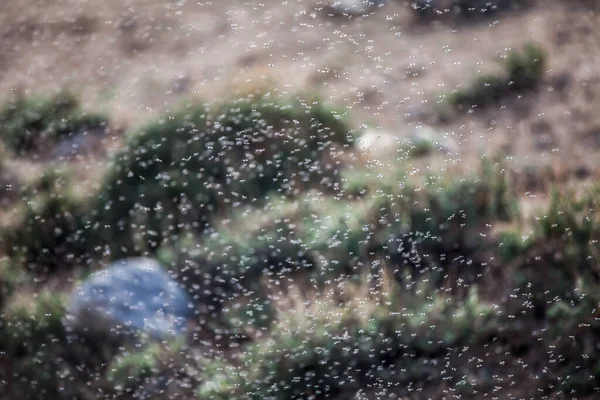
{"x": 28, "y": 123}
{"x": 522, "y": 70}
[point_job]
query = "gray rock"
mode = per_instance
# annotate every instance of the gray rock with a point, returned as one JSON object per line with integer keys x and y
{"x": 422, "y": 140}
{"x": 130, "y": 295}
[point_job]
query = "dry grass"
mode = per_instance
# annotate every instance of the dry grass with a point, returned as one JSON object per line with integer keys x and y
{"x": 137, "y": 63}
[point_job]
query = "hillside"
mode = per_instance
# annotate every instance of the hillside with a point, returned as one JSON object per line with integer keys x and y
{"x": 382, "y": 206}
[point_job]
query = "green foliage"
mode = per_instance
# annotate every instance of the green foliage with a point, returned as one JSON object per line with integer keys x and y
{"x": 555, "y": 268}
{"x": 32, "y": 336}
{"x": 512, "y": 245}
{"x": 196, "y": 163}
{"x": 149, "y": 363}
{"x": 29, "y": 122}
{"x": 521, "y": 70}
{"x": 131, "y": 368}
{"x": 440, "y": 225}
{"x": 11, "y": 277}
{"x": 525, "y": 69}
{"x": 50, "y": 233}
{"x": 419, "y": 147}
{"x": 327, "y": 239}
{"x": 564, "y": 250}
{"x": 332, "y": 350}
{"x": 249, "y": 316}
{"x": 232, "y": 260}
{"x": 29, "y": 322}
{"x": 577, "y": 321}
{"x": 327, "y": 351}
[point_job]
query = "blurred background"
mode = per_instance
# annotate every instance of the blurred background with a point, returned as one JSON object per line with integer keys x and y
{"x": 307, "y": 199}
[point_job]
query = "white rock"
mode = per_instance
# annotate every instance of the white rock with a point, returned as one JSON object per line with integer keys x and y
{"x": 377, "y": 143}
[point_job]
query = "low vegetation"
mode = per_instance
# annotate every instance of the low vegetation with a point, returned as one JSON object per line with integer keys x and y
{"x": 33, "y": 338}
{"x": 325, "y": 239}
{"x": 392, "y": 337}
{"x": 374, "y": 336}
{"x": 141, "y": 371}
{"x": 521, "y": 70}
{"x": 312, "y": 279}
{"x": 49, "y": 233}
{"x": 179, "y": 172}
{"x": 30, "y": 123}
{"x": 462, "y": 8}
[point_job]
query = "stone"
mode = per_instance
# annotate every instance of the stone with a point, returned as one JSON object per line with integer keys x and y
{"x": 379, "y": 143}
{"x": 417, "y": 141}
{"x": 129, "y": 296}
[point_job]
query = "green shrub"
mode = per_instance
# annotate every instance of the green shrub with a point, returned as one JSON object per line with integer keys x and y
{"x": 576, "y": 321}
{"x": 555, "y": 281}
{"x": 249, "y": 316}
{"x": 145, "y": 371}
{"x": 51, "y": 232}
{"x": 132, "y": 368}
{"x": 563, "y": 251}
{"x": 331, "y": 350}
{"x": 327, "y": 348}
{"x": 180, "y": 171}
{"x": 29, "y": 122}
{"x": 327, "y": 239}
{"x": 440, "y": 225}
{"x": 521, "y": 70}
{"x": 32, "y": 339}
{"x": 12, "y": 276}
{"x": 512, "y": 245}
{"x": 318, "y": 237}
{"x": 231, "y": 261}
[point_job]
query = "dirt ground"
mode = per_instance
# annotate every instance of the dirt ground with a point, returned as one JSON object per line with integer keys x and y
{"x": 137, "y": 58}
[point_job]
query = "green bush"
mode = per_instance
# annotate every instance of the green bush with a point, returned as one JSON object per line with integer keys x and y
{"x": 12, "y": 276}
{"x": 323, "y": 349}
{"x": 554, "y": 272}
{"x": 153, "y": 370}
{"x": 232, "y": 260}
{"x": 29, "y": 122}
{"x": 521, "y": 70}
{"x": 248, "y": 317}
{"x": 50, "y": 232}
{"x": 180, "y": 171}
{"x": 440, "y": 225}
{"x": 511, "y": 245}
{"x": 33, "y": 339}
{"x": 338, "y": 349}
{"x": 130, "y": 369}
{"x": 318, "y": 237}
{"x": 327, "y": 239}
{"x": 563, "y": 251}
